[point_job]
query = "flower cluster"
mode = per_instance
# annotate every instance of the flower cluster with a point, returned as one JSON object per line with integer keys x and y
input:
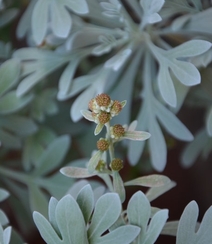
{"x": 103, "y": 108}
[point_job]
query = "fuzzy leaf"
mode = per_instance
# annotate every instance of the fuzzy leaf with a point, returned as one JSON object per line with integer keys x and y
{"x": 93, "y": 162}
{"x": 107, "y": 211}
{"x": 3, "y": 218}
{"x": 157, "y": 146}
{"x": 136, "y": 135}
{"x": 190, "y": 49}
{"x": 171, "y": 123}
{"x": 118, "y": 186}
{"x": 38, "y": 200}
{"x": 70, "y": 221}
{"x": 193, "y": 149}
{"x": 40, "y": 21}
{"x": 121, "y": 235}
{"x": 10, "y": 103}
{"x": 52, "y": 156}
{"x": 9, "y": 73}
{"x": 85, "y": 200}
{"x": 155, "y": 226}
{"x": 155, "y": 192}
{"x": 60, "y": 19}
{"x": 51, "y": 213}
{"x": 7, "y": 235}
{"x": 166, "y": 86}
{"x": 138, "y": 212}
{"x": 186, "y": 230}
{"x": 46, "y": 230}
{"x": 76, "y": 172}
{"x": 118, "y": 60}
{"x": 149, "y": 181}
{"x": 3, "y": 194}
{"x": 66, "y": 78}
{"x": 87, "y": 115}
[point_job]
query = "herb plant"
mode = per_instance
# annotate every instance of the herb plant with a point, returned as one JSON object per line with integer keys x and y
{"x": 59, "y": 57}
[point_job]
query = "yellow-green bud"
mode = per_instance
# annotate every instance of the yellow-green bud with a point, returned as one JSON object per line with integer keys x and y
{"x": 102, "y": 144}
{"x": 117, "y": 131}
{"x": 100, "y": 166}
{"x": 116, "y": 164}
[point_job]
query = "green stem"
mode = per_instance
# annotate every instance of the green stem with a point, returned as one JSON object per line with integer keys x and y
{"x": 21, "y": 177}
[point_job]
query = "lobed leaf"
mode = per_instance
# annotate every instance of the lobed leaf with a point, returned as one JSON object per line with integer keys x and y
{"x": 121, "y": 235}
{"x": 70, "y": 221}
{"x": 186, "y": 232}
{"x": 107, "y": 211}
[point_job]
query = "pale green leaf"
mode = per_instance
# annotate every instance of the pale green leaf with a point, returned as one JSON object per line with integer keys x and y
{"x": 118, "y": 186}
{"x": 3, "y": 218}
{"x": 157, "y": 146}
{"x": 7, "y": 235}
{"x": 9, "y": 73}
{"x": 60, "y": 19}
{"x": 155, "y": 192}
{"x": 10, "y": 103}
{"x": 121, "y": 235}
{"x": 3, "y": 194}
{"x": 46, "y": 230}
{"x": 107, "y": 211}
{"x": 70, "y": 221}
{"x": 38, "y": 200}
{"x": 190, "y": 49}
{"x": 93, "y": 162}
{"x": 85, "y": 200}
{"x": 53, "y": 155}
{"x": 171, "y": 123}
{"x": 138, "y": 212}
{"x": 136, "y": 135}
{"x": 166, "y": 86}
{"x": 51, "y": 213}
{"x": 149, "y": 181}
{"x": 40, "y": 21}
{"x": 76, "y": 172}
{"x": 156, "y": 225}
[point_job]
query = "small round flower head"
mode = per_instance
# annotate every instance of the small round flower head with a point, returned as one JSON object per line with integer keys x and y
{"x": 104, "y": 117}
{"x": 116, "y": 164}
{"x": 100, "y": 166}
{"x": 103, "y": 100}
{"x": 102, "y": 144}
{"x": 117, "y": 131}
{"x": 116, "y": 108}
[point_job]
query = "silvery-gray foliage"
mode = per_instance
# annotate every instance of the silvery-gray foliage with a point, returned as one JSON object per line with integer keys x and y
{"x": 156, "y": 54}
{"x": 111, "y": 31}
{"x": 80, "y": 221}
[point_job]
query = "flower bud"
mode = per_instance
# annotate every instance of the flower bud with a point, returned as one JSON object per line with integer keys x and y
{"x": 104, "y": 117}
{"x": 117, "y": 131}
{"x": 116, "y": 164}
{"x": 103, "y": 100}
{"x": 102, "y": 144}
{"x": 116, "y": 108}
{"x": 100, "y": 166}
